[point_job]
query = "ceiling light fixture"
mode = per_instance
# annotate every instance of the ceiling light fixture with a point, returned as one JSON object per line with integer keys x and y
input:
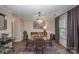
{"x": 40, "y": 19}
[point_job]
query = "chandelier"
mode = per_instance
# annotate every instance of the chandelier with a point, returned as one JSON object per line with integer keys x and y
{"x": 40, "y": 20}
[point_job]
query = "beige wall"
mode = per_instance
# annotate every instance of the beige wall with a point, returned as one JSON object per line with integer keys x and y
{"x": 8, "y": 17}
{"x": 28, "y": 26}
{"x": 18, "y": 28}
{"x": 14, "y": 25}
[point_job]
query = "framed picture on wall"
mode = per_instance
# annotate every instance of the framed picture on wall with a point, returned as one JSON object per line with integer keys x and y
{"x": 38, "y": 24}
{"x": 3, "y": 22}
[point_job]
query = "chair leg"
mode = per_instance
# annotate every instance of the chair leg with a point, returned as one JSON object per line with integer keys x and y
{"x": 36, "y": 51}
{"x": 26, "y": 44}
{"x": 51, "y": 43}
{"x": 42, "y": 51}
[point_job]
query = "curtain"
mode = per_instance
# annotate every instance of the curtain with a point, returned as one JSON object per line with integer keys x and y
{"x": 70, "y": 29}
{"x": 73, "y": 29}
{"x": 77, "y": 29}
{"x": 57, "y": 29}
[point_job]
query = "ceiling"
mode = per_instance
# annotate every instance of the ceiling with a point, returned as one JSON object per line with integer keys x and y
{"x": 29, "y": 12}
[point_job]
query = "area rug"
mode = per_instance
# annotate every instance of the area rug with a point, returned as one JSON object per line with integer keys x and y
{"x": 31, "y": 50}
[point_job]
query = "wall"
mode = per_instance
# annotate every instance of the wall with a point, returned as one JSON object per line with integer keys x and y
{"x": 18, "y": 28}
{"x": 14, "y": 25}
{"x": 8, "y": 17}
{"x": 28, "y": 26}
{"x": 63, "y": 29}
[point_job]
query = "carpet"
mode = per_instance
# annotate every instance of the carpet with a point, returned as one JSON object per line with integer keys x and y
{"x": 31, "y": 50}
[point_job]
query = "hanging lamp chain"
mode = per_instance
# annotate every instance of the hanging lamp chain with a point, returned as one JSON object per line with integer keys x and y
{"x": 39, "y": 13}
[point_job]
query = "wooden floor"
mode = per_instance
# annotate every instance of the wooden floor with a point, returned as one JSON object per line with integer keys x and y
{"x": 17, "y": 46}
{"x": 62, "y": 49}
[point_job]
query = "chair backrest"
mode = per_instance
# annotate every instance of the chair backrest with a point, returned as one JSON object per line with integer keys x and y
{"x": 51, "y": 36}
{"x": 25, "y": 35}
{"x": 39, "y": 43}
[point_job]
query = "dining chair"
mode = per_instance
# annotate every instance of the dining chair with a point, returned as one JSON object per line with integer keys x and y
{"x": 39, "y": 46}
{"x": 25, "y": 37}
{"x": 51, "y": 38}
